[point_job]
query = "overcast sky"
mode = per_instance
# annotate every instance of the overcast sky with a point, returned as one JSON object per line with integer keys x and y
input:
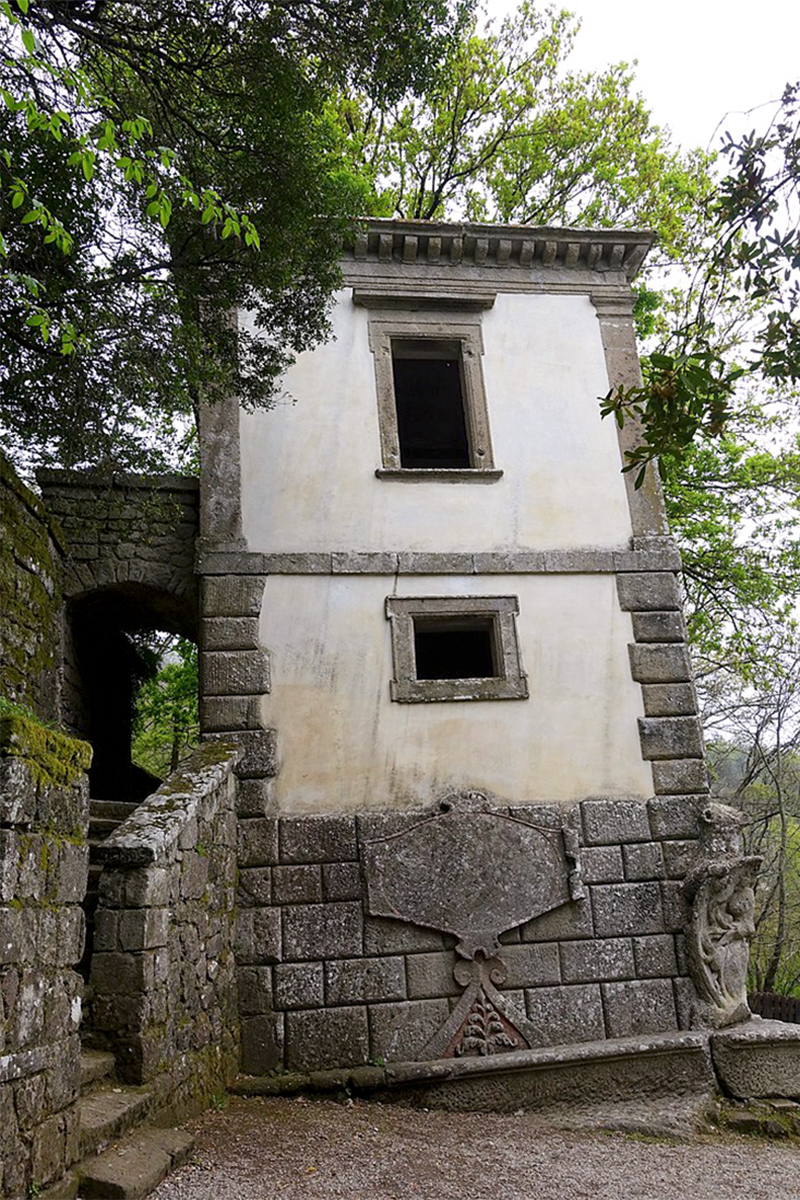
{"x": 697, "y": 59}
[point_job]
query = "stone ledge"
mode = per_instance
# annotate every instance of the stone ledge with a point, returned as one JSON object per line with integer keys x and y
{"x": 157, "y": 823}
{"x": 672, "y": 1063}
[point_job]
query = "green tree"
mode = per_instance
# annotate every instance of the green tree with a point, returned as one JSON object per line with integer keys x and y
{"x": 160, "y": 166}
{"x": 508, "y": 133}
{"x": 167, "y": 726}
{"x": 697, "y": 381}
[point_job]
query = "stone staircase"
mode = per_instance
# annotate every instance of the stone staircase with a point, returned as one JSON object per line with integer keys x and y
{"x": 104, "y": 817}
{"x": 120, "y": 1158}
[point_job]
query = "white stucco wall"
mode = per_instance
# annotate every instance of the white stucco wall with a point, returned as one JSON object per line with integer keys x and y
{"x": 308, "y": 464}
{"x": 345, "y": 745}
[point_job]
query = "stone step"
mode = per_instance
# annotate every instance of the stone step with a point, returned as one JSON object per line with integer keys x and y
{"x": 111, "y": 810}
{"x": 95, "y": 1066}
{"x": 100, "y": 828}
{"x": 136, "y": 1165}
{"x": 109, "y": 1113}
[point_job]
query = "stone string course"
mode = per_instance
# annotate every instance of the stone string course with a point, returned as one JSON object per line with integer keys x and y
{"x": 322, "y": 984}
{"x": 44, "y": 864}
{"x": 163, "y": 977}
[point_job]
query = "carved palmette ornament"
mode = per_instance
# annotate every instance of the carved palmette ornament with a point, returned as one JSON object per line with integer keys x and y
{"x": 720, "y": 889}
{"x": 484, "y": 1022}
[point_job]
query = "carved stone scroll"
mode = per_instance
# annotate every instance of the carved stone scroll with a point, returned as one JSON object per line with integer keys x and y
{"x": 720, "y": 889}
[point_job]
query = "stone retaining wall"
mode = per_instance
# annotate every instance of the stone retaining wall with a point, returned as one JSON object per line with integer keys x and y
{"x": 44, "y": 808}
{"x": 163, "y": 978}
{"x": 324, "y": 984}
{"x": 30, "y": 598}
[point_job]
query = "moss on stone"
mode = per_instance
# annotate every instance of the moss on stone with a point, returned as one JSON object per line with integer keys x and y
{"x": 54, "y": 759}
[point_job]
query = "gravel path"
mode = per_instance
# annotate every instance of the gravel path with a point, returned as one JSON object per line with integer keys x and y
{"x": 289, "y": 1149}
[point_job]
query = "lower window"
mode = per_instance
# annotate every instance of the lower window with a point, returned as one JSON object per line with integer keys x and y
{"x": 455, "y": 648}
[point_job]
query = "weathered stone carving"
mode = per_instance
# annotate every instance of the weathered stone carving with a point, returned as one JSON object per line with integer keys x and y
{"x": 471, "y": 869}
{"x": 484, "y": 1021}
{"x": 720, "y": 889}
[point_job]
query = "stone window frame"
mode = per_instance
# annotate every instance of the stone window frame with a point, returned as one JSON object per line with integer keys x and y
{"x": 444, "y": 320}
{"x": 405, "y": 688}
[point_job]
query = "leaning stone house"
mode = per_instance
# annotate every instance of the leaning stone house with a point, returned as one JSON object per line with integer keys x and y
{"x": 442, "y": 648}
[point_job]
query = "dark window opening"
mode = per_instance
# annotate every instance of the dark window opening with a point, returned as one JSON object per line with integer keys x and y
{"x": 455, "y": 649}
{"x": 429, "y": 396}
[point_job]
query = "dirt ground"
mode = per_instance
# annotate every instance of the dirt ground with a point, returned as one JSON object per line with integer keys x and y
{"x": 257, "y": 1149}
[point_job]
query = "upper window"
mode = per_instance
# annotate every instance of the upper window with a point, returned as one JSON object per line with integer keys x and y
{"x": 432, "y": 409}
{"x": 455, "y": 648}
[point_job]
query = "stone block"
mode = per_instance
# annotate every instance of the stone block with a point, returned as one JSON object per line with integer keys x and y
{"x": 417, "y": 562}
{"x": 254, "y": 987}
{"x": 72, "y": 872}
{"x": 660, "y": 662}
{"x": 382, "y": 935}
{"x": 675, "y": 816}
{"x": 258, "y": 842}
{"x": 655, "y": 956}
{"x": 262, "y": 1044}
{"x": 143, "y": 928}
{"x": 70, "y": 926}
{"x": 145, "y": 887}
{"x": 255, "y": 887}
{"x": 318, "y": 1039}
{"x": 602, "y": 864}
{"x": 563, "y": 1015}
{"x": 400, "y": 1032}
{"x": 313, "y": 931}
{"x": 669, "y": 700}
{"x": 597, "y": 959}
{"x": 680, "y": 776}
{"x": 122, "y": 974}
{"x": 341, "y": 881}
{"x": 17, "y": 791}
{"x": 258, "y": 935}
{"x": 355, "y": 563}
{"x": 229, "y": 633}
{"x": 322, "y": 838}
{"x": 685, "y": 1000}
{"x": 676, "y": 910}
{"x": 299, "y": 985}
{"x": 47, "y": 1150}
{"x": 530, "y": 965}
{"x": 431, "y": 975}
{"x": 106, "y": 929}
{"x": 670, "y": 737}
{"x": 572, "y": 920}
{"x": 260, "y": 759}
{"x": 679, "y": 857}
{"x": 357, "y": 981}
{"x": 235, "y": 672}
{"x": 639, "y": 1007}
{"x": 610, "y": 820}
{"x": 625, "y": 909}
{"x": 659, "y": 627}
{"x": 643, "y": 860}
{"x": 649, "y": 591}
{"x": 231, "y": 713}
{"x": 254, "y": 798}
{"x": 194, "y": 875}
{"x": 9, "y": 864}
{"x": 297, "y": 885}
{"x": 232, "y": 595}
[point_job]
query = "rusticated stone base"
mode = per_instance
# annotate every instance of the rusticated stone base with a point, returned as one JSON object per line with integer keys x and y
{"x": 324, "y": 984}
{"x": 758, "y": 1059}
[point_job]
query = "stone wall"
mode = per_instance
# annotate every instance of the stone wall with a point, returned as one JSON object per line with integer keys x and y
{"x": 31, "y": 549}
{"x": 44, "y": 805}
{"x": 162, "y": 977}
{"x": 323, "y": 983}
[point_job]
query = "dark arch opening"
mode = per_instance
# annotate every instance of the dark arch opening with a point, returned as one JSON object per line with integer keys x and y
{"x": 104, "y": 669}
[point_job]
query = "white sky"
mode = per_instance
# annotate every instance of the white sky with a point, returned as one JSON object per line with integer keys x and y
{"x": 697, "y": 59}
